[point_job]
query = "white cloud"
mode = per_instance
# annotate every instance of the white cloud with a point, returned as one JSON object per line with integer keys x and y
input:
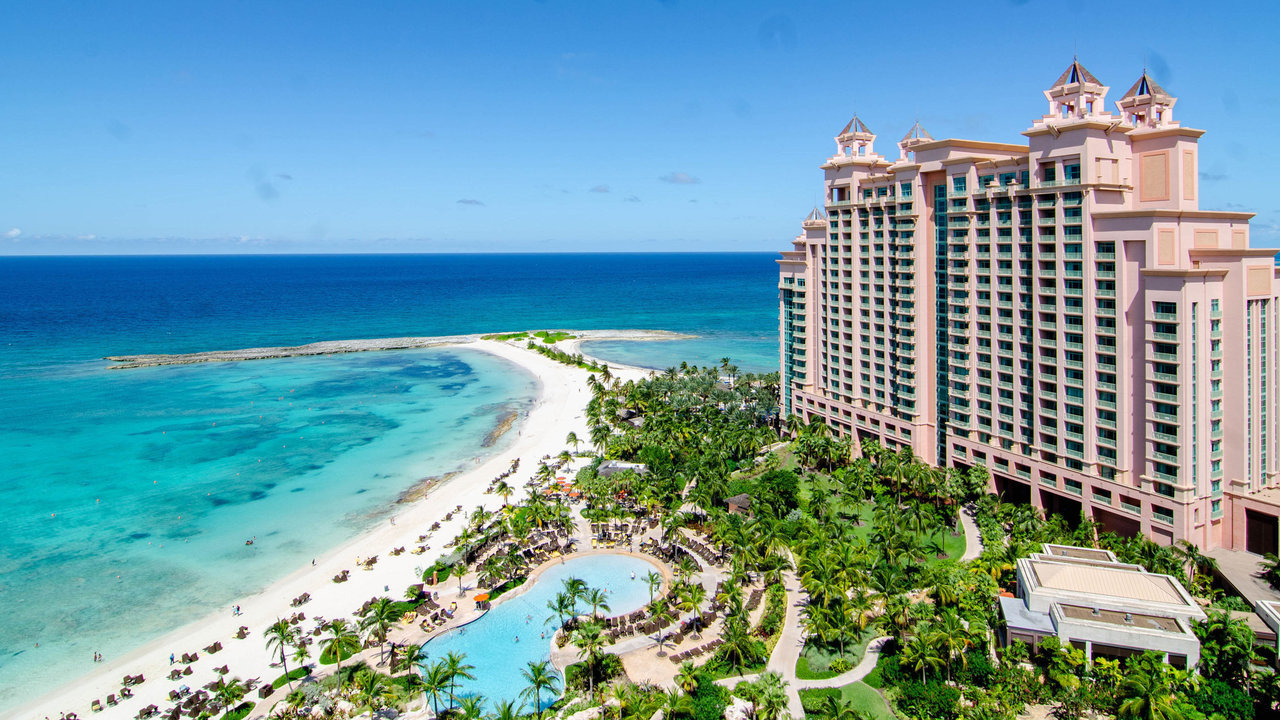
{"x": 679, "y": 178}
{"x": 13, "y": 233}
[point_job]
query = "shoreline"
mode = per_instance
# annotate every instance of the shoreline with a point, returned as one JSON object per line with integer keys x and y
{"x": 557, "y": 409}
{"x": 338, "y": 347}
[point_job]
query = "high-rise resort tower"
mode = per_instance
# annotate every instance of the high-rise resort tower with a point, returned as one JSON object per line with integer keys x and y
{"x": 1060, "y": 311}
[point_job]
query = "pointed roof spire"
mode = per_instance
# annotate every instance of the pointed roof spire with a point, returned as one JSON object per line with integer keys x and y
{"x": 1076, "y": 73}
{"x": 855, "y": 126}
{"x": 1146, "y": 86}
{"x": 917, "y": 132}
{"x": 818, "y": 215}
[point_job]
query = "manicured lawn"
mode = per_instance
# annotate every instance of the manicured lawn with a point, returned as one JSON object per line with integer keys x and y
{"x": 815, "y": 660}
{"x": 860, "y": 695}
{"x": 952, "y": 545}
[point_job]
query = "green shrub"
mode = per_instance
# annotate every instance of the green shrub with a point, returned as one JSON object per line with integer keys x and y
{"x": 242, "y": 710}
{"x": 840, "y": 665}
{"x": 934, "y": 700}
{"x": 1216, "y": 696}
{"x": 812, "y": 699}
{"x": 709, "y": 700}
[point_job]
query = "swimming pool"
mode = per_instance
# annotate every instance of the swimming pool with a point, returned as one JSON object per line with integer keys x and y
{"x": 490, "y": 643}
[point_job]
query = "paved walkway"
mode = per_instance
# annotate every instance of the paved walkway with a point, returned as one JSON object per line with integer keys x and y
{"x": 1240, "y": 570}
{"x": 972, "y": 537}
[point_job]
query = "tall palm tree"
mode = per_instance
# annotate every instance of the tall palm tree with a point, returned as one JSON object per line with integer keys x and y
{"x": 280, "y": 636}
{"x": 341, "y": 641}
{"x": 378, "y": 622}
{"x": 694, "y": 597}
{"x": 504, "y": 491}
{"x": 411, "y": 656}
{"x": 572, "y": 439}
{"x": 228, "y": 693}
{"x": 590, "y": 640}
{"x": 436, "y": 682}
{"x": 920, "y": 654}
{"x": 952, "y": 637}
{"x": 562, "y": 606}
{"x": 597, "y": 599}
{"x": 654, "y": 580}
{"x": 539, "y": 678}
{"x": 836, "y": 708}
{"x": 457, "y": 667}
{"x": 660, "y": 613}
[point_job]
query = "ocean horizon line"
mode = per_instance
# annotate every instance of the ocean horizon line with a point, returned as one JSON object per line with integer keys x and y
{"x": 479, "y": 253}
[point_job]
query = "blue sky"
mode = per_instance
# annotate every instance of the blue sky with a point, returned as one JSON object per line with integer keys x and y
{"x": 553, "y": 126}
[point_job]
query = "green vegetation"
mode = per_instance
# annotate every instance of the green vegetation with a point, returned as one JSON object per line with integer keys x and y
{"x": 857, "y": 696}
{"x": 294, "y": 674}
{"x": 240, "y": 711}
{"x": 545, "y": 336}
{"x": 564, "y": 358}
{"x": 819, "y": 662}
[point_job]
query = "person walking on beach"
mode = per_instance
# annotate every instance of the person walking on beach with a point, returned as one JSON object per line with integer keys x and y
{"x": 170, "y": 658}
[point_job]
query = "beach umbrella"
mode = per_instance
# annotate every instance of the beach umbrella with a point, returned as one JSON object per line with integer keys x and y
{"x": 482, "y": 597}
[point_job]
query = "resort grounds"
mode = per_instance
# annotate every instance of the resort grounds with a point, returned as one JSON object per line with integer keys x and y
{"x": 794, "y": 574}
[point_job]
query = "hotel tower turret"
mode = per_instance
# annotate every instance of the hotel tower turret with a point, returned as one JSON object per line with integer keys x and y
{"x": 1060, "y": 311}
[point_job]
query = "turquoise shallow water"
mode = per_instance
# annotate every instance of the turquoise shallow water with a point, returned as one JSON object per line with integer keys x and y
{"x": 138, "y": 526}
{"x": 96, "y": 466}
{"x": 502, "y": 642}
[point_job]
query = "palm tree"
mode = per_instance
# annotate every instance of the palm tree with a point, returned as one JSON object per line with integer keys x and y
{"x": 590, "y": 640}
{"x": 457, "y": 667}
{"x": 572, "y": 439}
{"x": 694, "y": 597}
{"x": 372, "y": 687}
{"x": 504, "y": 491}
{"x": 378, "y": 621}
{"x": 687, "y": 677}
{"x": 1148, "y": 696}
{"x": 228, "y": 693}
{"x": 562, "y": 605}
{"x": 341, "y": 641}
{"x": 411, "y": 656}
{"x": 506, "y": 710}
{"x": 773, "y": 695}
{"x": 597, "y": 599}
{"x": 280, "y": 636}
{"x": 951, "y": 636}
{"x": 435, "y": 682}
{"x": 471, "y": 708}
{"x": 660, "y": 613}
{"x": 920, "y": 654}
{"x": 539, "y": 677}
{"x": 654, "y": 581}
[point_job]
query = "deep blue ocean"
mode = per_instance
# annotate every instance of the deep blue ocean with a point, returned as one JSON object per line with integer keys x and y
{"x": 126, "y": 493}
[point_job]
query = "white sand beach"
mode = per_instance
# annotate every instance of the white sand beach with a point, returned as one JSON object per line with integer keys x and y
{"x": 559, "y": 409}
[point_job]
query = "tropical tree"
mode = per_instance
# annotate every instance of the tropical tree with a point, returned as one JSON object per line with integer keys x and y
{"x": 436, "y": 682}
{"x": 472, "y": 707}
{"x": 506, "y": 710}
{"x": 410, "y": 657}
{"x": 228, "y": 693}
{"x": 539, "y": 678}
{"x": 280, "y": 636}
{"x": 562, "y": 605}
{"x": 597, "y": 599}
{"x": 504, "y": 491}
{"x": 687, "y": 677}
{"x": 654, "y": 581}
{"x": 378, "y": 622}
{"x": 342, "y": 640}
{"x": 572, "y": 439}
{"x": 1226, "y": 648}
{"x": 457, "y": 667}
{"x": 772, "y": 695}
{"x": 590, "y": 640}
{"x": 920, "y": 654}
{"x": 1149, "y": 696}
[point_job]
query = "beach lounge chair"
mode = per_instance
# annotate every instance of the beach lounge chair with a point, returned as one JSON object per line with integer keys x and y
{"x": 96, "y": 705}
{"x": 111, "y": 699}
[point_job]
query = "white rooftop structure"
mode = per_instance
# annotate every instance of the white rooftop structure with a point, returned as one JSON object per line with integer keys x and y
{"x": 1087, "y": 599}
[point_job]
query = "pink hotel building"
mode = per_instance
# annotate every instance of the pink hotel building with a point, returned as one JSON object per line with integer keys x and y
{"x": 1061, "y": 312}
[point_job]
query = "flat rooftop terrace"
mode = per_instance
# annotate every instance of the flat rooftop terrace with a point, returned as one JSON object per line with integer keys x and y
{"x": 1140, "y": 621}
{"x": 1107, "y": 581}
